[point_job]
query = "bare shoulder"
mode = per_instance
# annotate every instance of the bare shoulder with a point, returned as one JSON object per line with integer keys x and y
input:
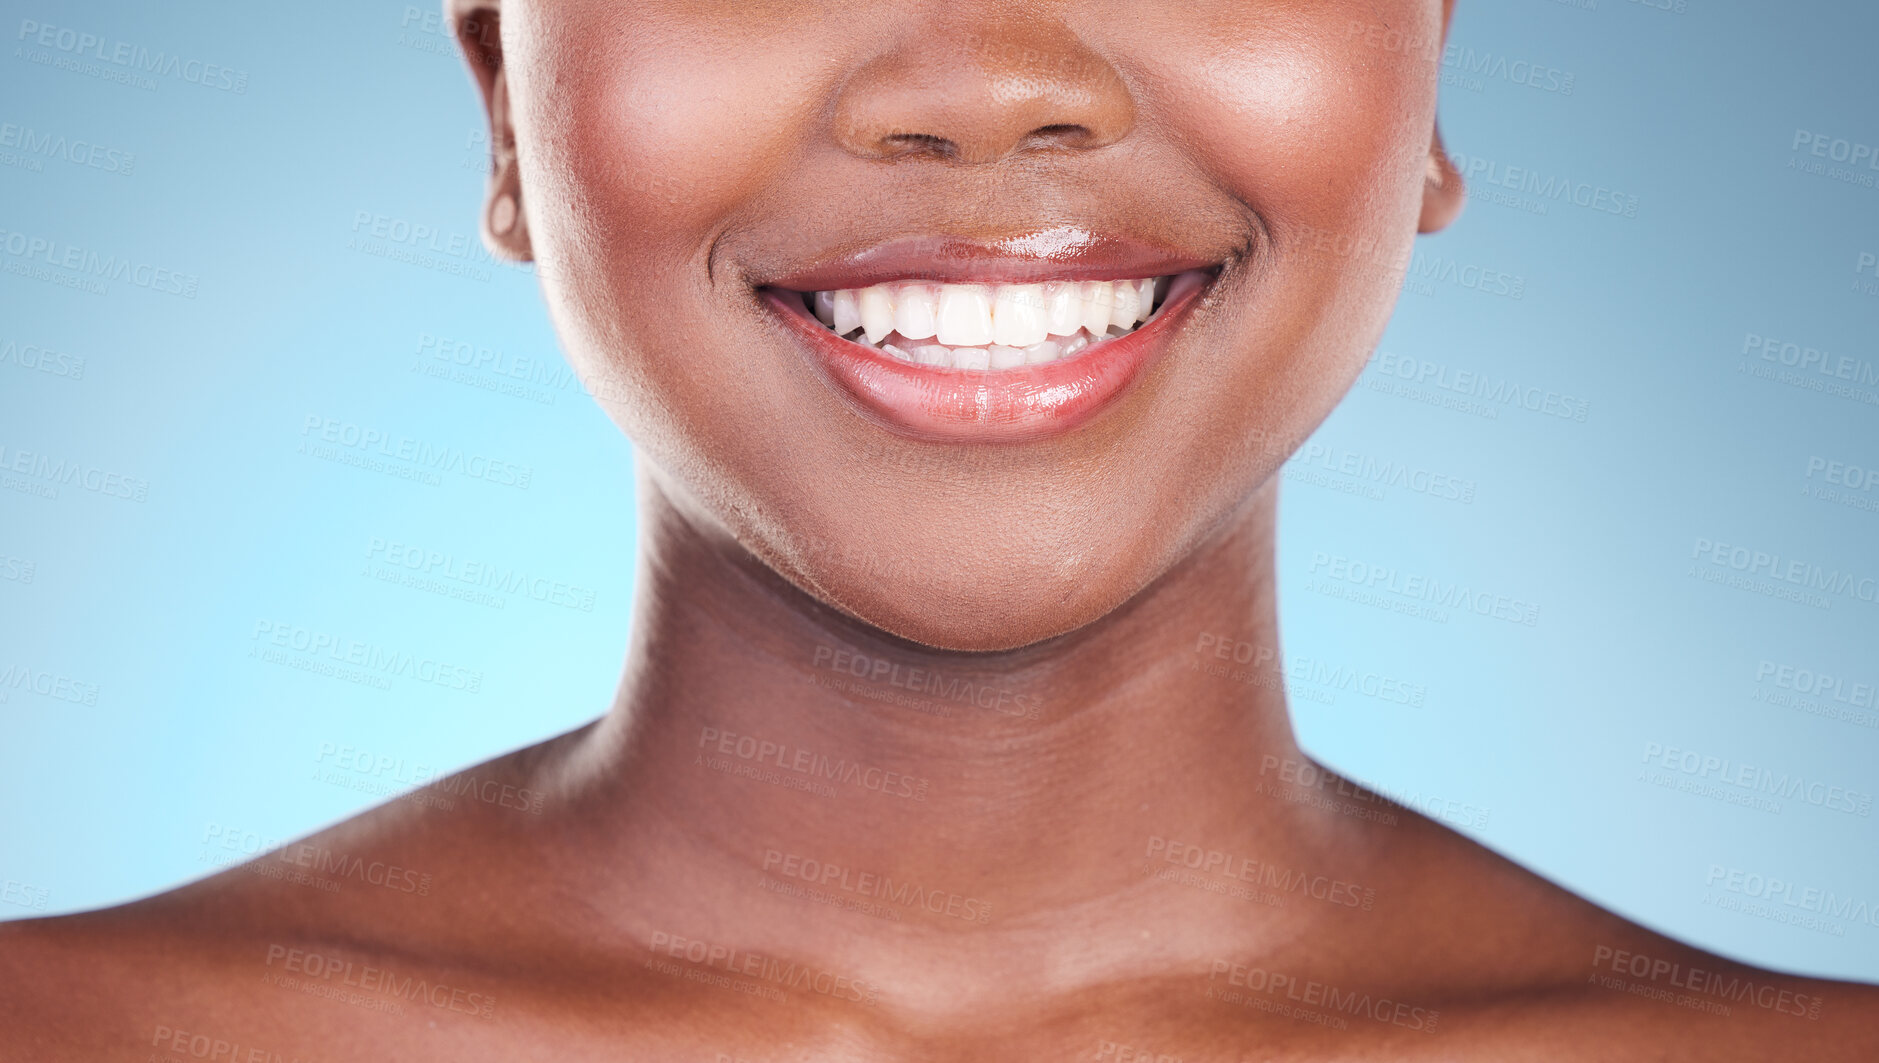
{"x": 367, "y": 926}
{"x": 1539, "y": 956}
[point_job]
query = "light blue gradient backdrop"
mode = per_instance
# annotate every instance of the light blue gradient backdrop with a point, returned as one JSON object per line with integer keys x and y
{"x": 1536, "y": 734}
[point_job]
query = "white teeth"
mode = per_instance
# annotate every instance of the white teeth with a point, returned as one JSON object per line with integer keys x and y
{"x": 1039, "y": 353}
{"x": 993, "y": 326}
{"x": 846, "y": 313}
{"x": 972, "y": 358}
{"x": 965, "y": 315}
{"x": 877, "y": 312}
{"x": 916, "y": 308}
{"x": 1122, "y": 314}
{"x": 1002, "y": 357}
{"x": 1063, "y": 311}
{"x": 1098, "y": 298}
{"x": 1018, "y": 318}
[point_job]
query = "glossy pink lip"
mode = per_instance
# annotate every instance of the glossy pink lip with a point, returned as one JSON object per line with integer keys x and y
{"x": 982, "y": 406}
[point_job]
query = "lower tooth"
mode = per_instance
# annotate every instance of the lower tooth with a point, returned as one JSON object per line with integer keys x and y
{"x": 991, "y": 357}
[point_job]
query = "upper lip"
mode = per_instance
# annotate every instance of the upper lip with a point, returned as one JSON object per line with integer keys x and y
{"x": 1026, "y": 257}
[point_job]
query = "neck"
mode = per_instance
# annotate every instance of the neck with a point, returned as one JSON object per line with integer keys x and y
{"x": 779, "y": 746}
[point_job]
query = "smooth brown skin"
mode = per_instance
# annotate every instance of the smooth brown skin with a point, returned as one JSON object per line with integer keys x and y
{"x": 664, "y": 152}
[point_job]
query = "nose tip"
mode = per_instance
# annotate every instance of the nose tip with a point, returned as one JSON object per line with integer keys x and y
{"x": 983, "y": 95}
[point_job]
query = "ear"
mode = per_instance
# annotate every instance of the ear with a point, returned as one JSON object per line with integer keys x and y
{"x": 1443, "y": 194}
{"x": 478, "y": 27}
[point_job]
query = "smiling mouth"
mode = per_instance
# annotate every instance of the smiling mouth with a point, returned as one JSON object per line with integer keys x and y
{"x": 985, "y": 327}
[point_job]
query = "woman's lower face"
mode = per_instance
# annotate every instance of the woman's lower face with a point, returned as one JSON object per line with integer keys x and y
{"x": 970, "y": 321}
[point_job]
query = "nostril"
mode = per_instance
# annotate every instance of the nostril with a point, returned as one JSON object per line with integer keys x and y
{"x": 919, "y": 144}
{"x": 1064, "y": 131}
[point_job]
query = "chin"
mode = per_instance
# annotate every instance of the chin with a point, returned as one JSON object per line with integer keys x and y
{"x": 997, "y": 602}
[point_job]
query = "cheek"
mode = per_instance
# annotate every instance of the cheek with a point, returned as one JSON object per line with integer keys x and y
{"x": 641, "y": 142}
{"x": 651, "y": 132}
{"x": 1309, "y": 125}
{"x": 1325, "y": 139}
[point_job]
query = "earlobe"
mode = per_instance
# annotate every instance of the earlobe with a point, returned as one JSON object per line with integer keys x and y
{"x": 505, "y": 221}
{"x": 1443, "y": 193}
{"x": 478, "y": 27}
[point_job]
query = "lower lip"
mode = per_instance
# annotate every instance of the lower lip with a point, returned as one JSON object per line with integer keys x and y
{"x": 983, "y": 406}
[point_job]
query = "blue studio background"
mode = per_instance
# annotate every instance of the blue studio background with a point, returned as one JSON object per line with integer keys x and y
{"x": 1628, "y": 404}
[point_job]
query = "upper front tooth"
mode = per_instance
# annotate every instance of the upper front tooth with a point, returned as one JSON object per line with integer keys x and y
{"x": 965, "y": 315}
{"x": 1063, "y": 311}
{"x": 1145, "y": 297}
{"x": 1018, "y": 315}
{"x": 1122, "y": 314}
{"x": 846, "y": 311}
{"x": 877, "y": 312}
{"x": 1099, "y": 300}
{"x": 915, "y": 307}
